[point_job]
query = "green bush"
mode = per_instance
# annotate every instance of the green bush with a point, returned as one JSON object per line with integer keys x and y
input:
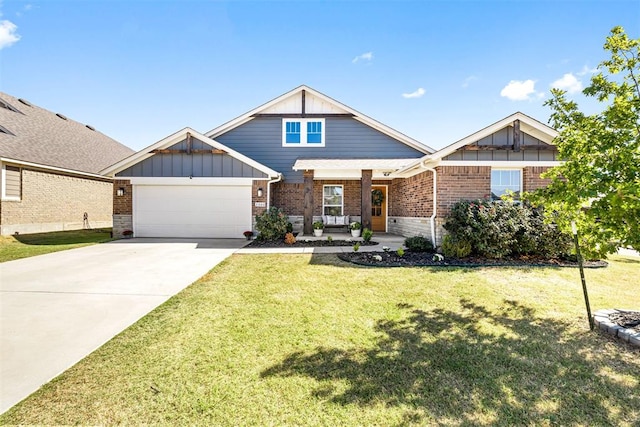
{"x": 499, "y": 229}
{"x": 453, "y": 248}
{"x": 418, "y": 244}
{"x": 367, "y": 235}
{"x": 272, "y": 224}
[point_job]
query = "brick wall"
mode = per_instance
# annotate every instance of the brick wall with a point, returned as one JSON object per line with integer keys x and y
{"x": 531, "y": 178}
{"x": 122, "y": 205}
{"x": 412, "y": 197}
{"x": 457, "y": 183}
{"x": 54, "y": 202}
{"x": 288, "y": 197}
{"x": 255, "y": 210}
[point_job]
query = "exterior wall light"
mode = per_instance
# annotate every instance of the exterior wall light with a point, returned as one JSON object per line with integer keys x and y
{"x": 260, "y": 192}
{"x": 120, "y": 191}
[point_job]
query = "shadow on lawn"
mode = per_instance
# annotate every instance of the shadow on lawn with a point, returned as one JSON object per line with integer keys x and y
{"x": 72, "y": 237}
{"x": 445, "y": 366}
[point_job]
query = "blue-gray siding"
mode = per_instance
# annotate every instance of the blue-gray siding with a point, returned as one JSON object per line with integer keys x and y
{"x": 505, "y": 137}
{"x": 345, "y": 138}
{"x": 196, "y": 165}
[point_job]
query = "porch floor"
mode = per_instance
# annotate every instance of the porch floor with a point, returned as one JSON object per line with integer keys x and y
{"x": 393, "y": 241}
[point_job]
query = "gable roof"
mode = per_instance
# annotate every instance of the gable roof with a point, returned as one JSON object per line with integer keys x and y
{"x": 175, "y": 138}
{"x": 32, "y": 134}
{"x": 318, "y": 103}
{"x": 528, "y": 125}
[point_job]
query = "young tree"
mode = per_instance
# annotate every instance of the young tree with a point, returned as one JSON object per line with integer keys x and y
{"x": 598, "y": 185}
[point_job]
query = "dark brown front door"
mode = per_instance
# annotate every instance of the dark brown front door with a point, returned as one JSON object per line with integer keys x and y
{"x": 379, "y": 208}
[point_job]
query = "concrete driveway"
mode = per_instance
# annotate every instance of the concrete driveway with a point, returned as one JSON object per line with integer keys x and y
{"x": 55, "y": 309}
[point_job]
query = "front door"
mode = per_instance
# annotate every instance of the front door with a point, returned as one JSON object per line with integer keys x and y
{"x": 379, "y": 208}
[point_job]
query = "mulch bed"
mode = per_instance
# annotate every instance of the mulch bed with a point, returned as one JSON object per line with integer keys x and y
{"x": 627, "y": 319}
{"x": 413, "y": 259}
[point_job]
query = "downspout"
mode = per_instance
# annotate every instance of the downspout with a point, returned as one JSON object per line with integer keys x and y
{"x": 432, "y": 219}
{"x": 273, "y": 181}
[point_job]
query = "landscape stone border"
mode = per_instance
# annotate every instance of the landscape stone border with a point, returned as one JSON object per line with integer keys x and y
{"x": 603, "y": 323}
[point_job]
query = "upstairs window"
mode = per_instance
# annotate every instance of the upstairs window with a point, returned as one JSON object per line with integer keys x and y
{"x": 505, "y": 180}
{"x": 292, "y": 133}
{"x": 303, "y": 132}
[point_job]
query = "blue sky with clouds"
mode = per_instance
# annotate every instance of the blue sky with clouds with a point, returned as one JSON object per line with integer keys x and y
{"x": 434, "y": 70}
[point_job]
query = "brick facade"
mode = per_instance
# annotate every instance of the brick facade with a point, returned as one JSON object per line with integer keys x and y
{"x": 531, "y": 178}
{"x": 412, "y": 197}
{"x": 457, "y": 183}
{"x": 122, "y": 205}
{"x": 56, "y": 202}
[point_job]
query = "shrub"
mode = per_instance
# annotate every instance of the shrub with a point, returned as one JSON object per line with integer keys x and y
{"x": 453, "y": 248}
{"x": 367, "y": 235}
{"x": 500, "y": 229}
{"x": 289, "y": 227}
{"x": 418, "y": 244}
{"x": 272, "y": 224}
{"x": 356, "y": 247}
{"x": 355, "y": 226}
{"x": 289, "y": 239}
{"x": 318, "y": 225}
{"x": 400, "y": 252}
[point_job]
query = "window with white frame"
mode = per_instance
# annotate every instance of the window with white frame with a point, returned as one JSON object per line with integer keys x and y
{"x": 332, "y": 200}
{"x": 504, "y": 181}
{"x": 11, "y": 182}
{"x": 303, "y": 132}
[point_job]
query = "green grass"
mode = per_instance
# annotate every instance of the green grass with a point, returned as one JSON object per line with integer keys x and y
{"x": 310, "y": 340}
{"x": 28, "y": 245}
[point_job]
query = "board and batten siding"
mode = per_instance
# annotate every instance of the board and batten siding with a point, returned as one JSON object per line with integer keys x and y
{"x": 505, "y": 137}
{"x": 345, "y": 138}
{"x": 195, "y": 164}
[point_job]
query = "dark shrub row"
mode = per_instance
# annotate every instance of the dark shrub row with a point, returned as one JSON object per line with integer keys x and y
{"x": 499, "y": 229}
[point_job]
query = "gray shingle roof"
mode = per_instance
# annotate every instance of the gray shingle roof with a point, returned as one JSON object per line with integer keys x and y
{"x": 40, "y": 136}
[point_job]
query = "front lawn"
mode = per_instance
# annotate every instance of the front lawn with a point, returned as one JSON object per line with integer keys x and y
{"x": 28, "y": 245}
{"x": 310, "y": 340}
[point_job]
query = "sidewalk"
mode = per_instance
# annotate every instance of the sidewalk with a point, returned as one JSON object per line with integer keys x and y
{"x": 384, "y": 239}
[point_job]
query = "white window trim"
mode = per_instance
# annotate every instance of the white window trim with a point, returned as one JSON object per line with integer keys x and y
{"x": 3, "y": 184}
{"x": 509, "y": 169}
{"x": 303, "y": 133}
{"x": 341, "y": 204}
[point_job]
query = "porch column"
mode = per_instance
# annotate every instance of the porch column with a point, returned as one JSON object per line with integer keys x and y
{"x": 365, "y": 185}
{"x": 308, "y": 202}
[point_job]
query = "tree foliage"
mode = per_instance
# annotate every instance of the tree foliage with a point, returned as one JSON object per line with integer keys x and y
{"x": 598, "y": 185}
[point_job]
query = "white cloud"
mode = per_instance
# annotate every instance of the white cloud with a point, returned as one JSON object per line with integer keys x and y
{"x": 416, "y": 94}
{"x": 8, "y": 35}
{"x": 367, "y": 56}
{"x": 568, "y": 82}
{"x": 518, "y": 90}
{"x": 586, "y": 70}
{"x": 468, "y": 81}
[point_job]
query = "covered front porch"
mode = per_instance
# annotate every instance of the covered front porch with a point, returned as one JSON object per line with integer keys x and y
{"x": 335, "y": 189}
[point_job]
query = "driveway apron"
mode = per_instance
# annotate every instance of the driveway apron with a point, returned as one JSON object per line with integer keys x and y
{"x": 55, "y": 309}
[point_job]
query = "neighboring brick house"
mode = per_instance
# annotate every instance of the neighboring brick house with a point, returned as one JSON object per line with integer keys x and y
{"x": 50, "y": 171}
{"x": 312, "y": 156}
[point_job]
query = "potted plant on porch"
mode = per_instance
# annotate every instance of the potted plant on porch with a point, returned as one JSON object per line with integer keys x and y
{"x": 318, "y": 228}
{"x": 355, "y": 228}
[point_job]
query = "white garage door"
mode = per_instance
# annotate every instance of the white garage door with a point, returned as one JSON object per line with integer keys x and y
{"x": 191, "y": 211}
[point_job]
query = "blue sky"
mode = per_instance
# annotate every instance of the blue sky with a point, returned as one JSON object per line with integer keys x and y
{"x": 434, "y": 70}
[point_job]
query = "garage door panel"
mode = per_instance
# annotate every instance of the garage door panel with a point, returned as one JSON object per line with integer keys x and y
{"x": 192, "y": 211}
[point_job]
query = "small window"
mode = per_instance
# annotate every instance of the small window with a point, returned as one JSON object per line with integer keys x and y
{"x": 332, "y": 200}
{"x": 11, "y": 182}
{"x": 505, "y": 180}
{"x": 292, "y": 133}
{"x": 299, "y": 132}
{"x": 314, "y": 132}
